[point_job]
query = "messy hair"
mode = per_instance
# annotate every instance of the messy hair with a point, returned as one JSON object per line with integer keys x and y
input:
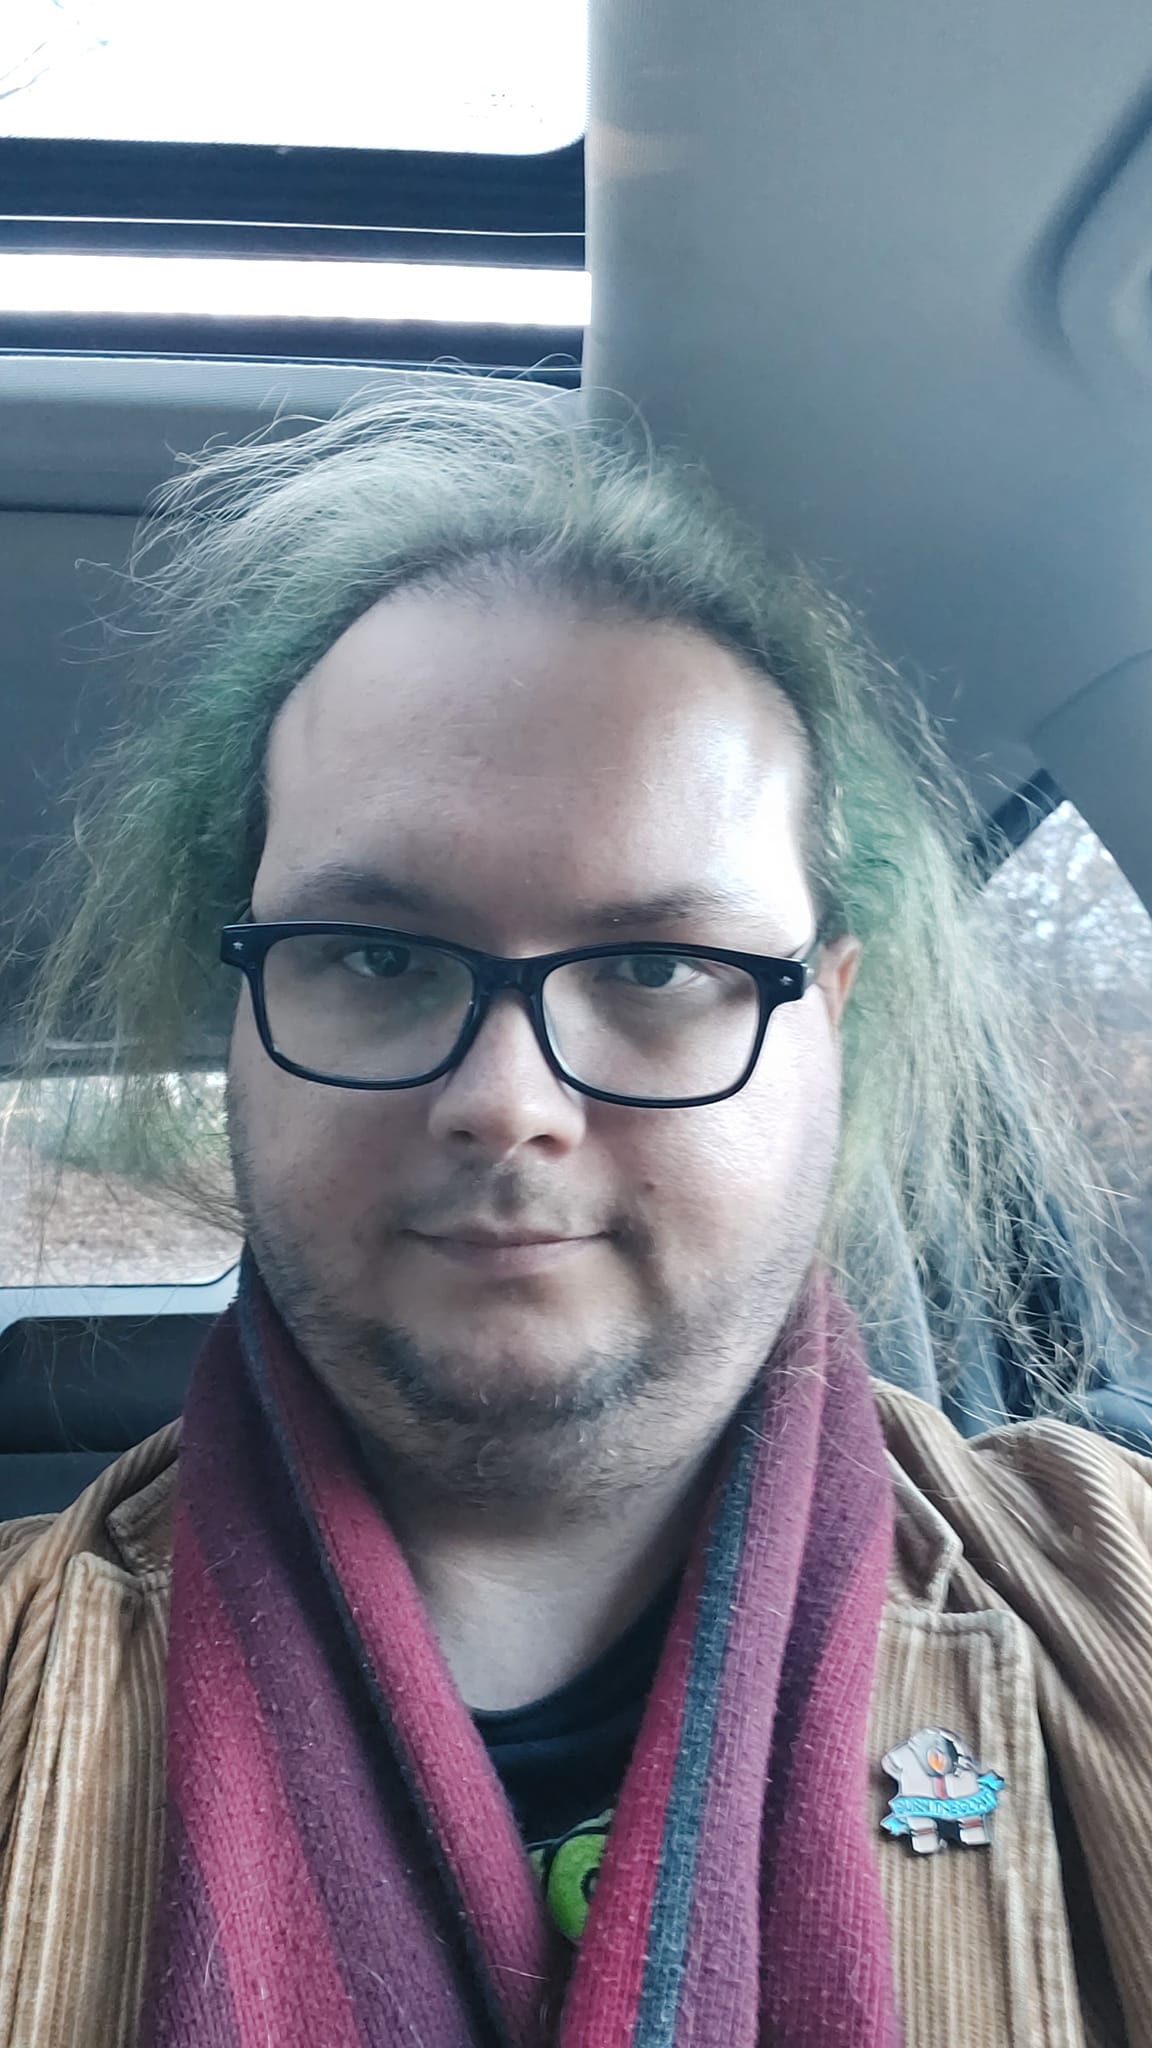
{"x": 257, "y": 557}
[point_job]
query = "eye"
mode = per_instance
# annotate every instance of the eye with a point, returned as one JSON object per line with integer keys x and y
{"x": 386, "y": 971}
{"x": 385, "y": 962}
{"x": 656, "y": 972}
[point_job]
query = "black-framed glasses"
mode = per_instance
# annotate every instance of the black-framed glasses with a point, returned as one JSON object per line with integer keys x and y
{"x": 642, "y": 1023}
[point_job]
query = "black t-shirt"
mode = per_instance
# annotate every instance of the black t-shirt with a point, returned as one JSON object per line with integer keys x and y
{"x": 562, "y": 1759}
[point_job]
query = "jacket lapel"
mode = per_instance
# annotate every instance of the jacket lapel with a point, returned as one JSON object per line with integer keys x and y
{"x": 981, "y": 1945}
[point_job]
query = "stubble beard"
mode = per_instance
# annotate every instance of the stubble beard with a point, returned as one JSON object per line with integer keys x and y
{"x": 623, "y": 1413}
{"x": 596, "y": 1435}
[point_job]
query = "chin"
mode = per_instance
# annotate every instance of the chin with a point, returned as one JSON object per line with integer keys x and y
{"x": 514, "y": 1387}
{"x": 508, "y": 1379}
{"x": 507, "y": 1325}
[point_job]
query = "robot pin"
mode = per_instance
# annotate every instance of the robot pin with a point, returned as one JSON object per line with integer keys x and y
{"x": 944, "y": 1796}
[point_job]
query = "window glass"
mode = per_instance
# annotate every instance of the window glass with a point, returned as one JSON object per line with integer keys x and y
{"x": 76, "y": 1208}
{"x": 370, "y": 74}
{"x": 1084, "y": 940}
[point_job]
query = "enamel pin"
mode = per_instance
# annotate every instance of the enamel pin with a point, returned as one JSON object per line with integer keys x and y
{"x": 944, "y": 1796}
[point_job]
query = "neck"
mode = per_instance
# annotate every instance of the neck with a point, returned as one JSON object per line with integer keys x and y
{"x": 521, "y": 1607}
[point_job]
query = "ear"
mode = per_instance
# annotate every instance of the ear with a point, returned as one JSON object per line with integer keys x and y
{"x": 837, "y": 972}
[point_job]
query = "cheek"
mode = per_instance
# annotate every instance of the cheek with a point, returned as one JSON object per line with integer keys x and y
{"x": 720, "y": 1173}
{"x": 793, "y": 1097}
{"x": 317, "y": 1154}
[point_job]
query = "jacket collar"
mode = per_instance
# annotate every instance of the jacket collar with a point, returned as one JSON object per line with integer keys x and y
{"x": 141, "y": 1524}
{"x": 925, "y": 1551}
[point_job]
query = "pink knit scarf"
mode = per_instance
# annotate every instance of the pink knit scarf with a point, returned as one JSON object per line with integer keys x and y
{"x": 341, "y": 1866}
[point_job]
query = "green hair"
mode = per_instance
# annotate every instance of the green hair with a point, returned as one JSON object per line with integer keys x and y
{"x": 257, "y": 557}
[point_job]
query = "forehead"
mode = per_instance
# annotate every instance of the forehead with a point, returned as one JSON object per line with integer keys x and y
{"x": 528, "y": 759}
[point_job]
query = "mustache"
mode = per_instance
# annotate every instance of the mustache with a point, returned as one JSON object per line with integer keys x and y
{"x": 507, "y": 1202}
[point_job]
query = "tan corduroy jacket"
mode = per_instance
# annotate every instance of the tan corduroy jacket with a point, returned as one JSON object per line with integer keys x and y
{"x": 1019, "y": 1615}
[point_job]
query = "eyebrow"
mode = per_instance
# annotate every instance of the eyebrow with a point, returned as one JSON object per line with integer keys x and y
{"x": 356, "y": 888}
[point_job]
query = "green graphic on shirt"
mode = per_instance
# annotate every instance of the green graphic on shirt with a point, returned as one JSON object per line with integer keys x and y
{"x": 568, "y": 1869}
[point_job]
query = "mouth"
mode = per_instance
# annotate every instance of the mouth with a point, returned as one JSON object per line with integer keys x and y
{"x": 505, "y": 1256}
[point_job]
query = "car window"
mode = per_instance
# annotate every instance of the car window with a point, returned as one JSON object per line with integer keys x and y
{"x": 452, "y": 77}
{"x": 1084, "y": 940}
{"x": 76, "y": 1209}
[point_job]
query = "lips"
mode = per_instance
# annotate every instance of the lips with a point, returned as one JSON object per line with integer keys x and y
{"x": 494, "y": 1240}
{"x": 506, "y": 1255}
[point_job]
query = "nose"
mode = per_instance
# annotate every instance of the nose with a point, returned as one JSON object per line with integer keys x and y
{"x": 504, "y": 1094}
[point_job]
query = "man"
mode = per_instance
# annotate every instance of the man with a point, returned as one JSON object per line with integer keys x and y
{"x": 539, "y": 1627}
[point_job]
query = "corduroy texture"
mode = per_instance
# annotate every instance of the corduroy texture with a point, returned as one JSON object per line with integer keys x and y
{"x": 341, "y": 1867}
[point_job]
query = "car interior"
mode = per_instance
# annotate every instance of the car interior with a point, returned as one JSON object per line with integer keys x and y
{"x": 885, "y": 272}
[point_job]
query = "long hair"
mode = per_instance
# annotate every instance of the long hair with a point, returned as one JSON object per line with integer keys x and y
{"x": 257, "y": 557}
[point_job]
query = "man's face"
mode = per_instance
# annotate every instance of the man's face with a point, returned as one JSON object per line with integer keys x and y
{"x": 522, "y": 767}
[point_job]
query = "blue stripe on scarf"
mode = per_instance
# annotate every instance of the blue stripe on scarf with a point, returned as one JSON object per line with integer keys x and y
{"x": 675, "y": 1885}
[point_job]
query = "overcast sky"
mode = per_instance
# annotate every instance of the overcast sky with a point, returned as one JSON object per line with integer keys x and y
{"x": 508, "y": 75}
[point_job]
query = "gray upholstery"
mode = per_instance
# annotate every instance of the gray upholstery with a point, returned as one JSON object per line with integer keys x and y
{"x": 76, "y": 1392}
